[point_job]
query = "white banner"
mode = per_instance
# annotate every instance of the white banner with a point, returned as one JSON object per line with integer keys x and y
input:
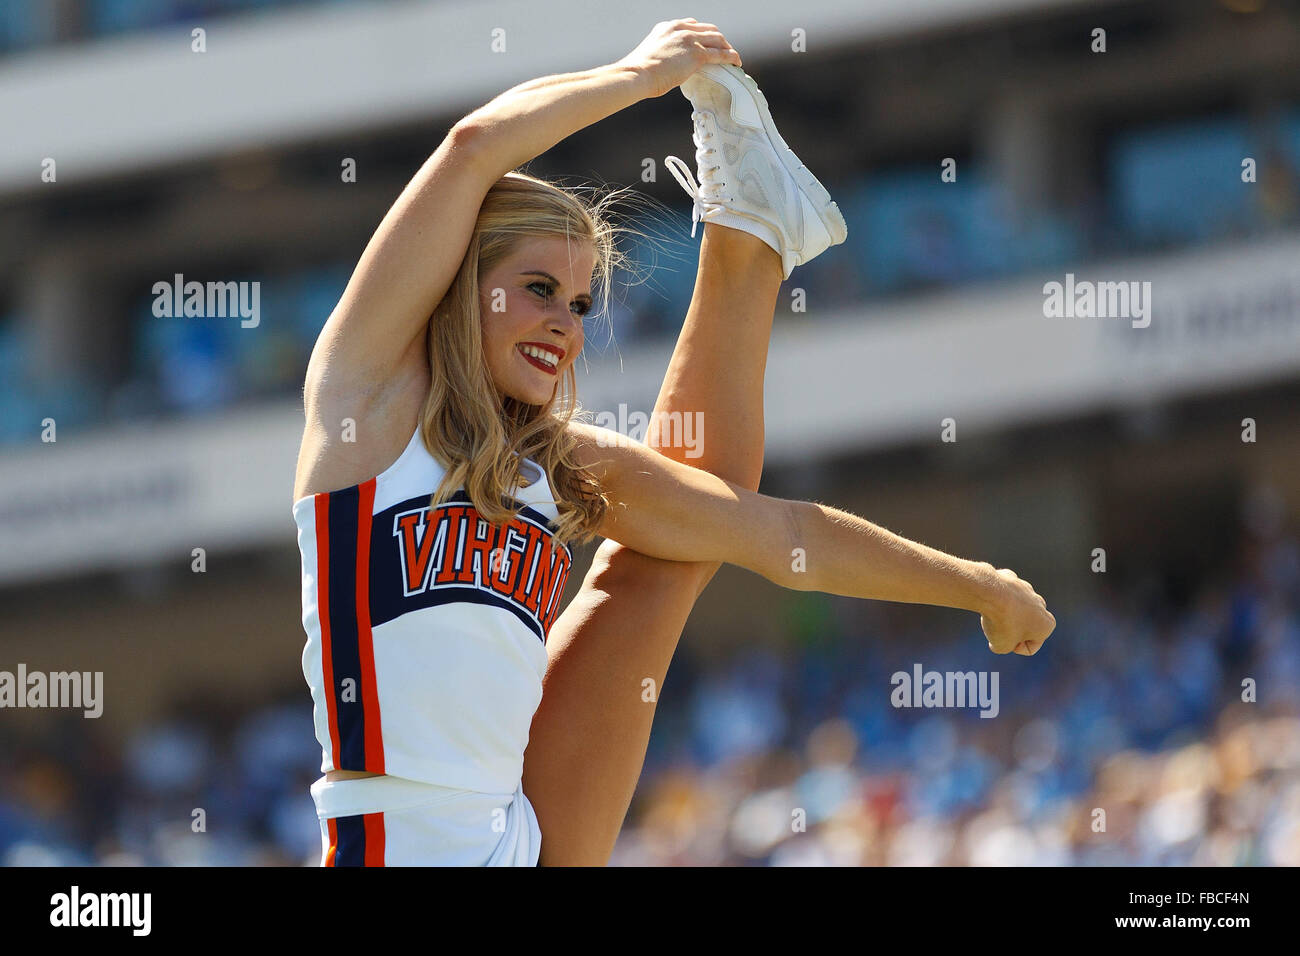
{"x": 91, "y": 502}
{"x": 987, "y": 355}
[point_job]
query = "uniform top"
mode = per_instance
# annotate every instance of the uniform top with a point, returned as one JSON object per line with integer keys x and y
{"x": 426, "y": 628}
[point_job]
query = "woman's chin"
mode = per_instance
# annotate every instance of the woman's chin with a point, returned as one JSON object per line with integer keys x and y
{"x": 527, "y": 396}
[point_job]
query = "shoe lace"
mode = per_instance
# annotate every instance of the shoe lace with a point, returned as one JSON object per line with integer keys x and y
{"x": 708, "y": 194}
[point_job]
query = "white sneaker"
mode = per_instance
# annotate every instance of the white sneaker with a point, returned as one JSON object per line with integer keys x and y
{"x": 749, "y": 178}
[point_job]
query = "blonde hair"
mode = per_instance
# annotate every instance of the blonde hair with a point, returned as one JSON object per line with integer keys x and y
{"x": 479, "y": 434}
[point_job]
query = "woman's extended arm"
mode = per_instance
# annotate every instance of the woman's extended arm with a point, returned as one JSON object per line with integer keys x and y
{"x": 668, "y": 510}
{"x": 414, "y": 255}
{"x": 529, "y": 119}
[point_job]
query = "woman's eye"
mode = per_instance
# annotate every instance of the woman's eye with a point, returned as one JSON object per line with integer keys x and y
{"x": 545, "y": 291}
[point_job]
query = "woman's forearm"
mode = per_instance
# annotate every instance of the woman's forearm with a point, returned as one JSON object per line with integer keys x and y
{"x": 848, "y": 555}
{"x": 527, "y": 120}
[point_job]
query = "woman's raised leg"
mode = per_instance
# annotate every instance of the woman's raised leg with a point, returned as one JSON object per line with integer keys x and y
{"x": 589, "y": 736}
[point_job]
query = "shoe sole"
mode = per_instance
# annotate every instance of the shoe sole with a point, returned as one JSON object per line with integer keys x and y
{"x": 817, "y": 194}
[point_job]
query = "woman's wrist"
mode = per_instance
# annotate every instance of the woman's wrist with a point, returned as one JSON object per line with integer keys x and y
{"x": 986, "y": 588}
{"x": 638, "y": 75}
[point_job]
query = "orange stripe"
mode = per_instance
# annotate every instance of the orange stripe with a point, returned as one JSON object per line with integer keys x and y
{"x": 323, "y": 613}
{"x": 374, "y": 824}
{"x": 334, "y": 842}
{"x": 365, "y": 638}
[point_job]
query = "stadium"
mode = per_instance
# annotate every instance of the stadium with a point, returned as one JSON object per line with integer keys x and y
{"x": 1133, "y": 453}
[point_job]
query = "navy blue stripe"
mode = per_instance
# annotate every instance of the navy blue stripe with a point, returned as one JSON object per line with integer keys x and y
{"x": 351, "y": 848}
{"x": 344, "y": 651}
{"x": 464, "y": 594}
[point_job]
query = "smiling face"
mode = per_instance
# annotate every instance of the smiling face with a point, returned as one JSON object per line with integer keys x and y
{"x": 534, "y": 333}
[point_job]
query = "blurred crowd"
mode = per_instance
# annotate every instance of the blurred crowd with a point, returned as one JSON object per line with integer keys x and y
{"x": 1126, "y": 741}
{"x": 1145, "y": 733}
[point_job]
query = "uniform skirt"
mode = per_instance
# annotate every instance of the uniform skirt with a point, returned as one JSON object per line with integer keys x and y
{"x": 390, "y": 821}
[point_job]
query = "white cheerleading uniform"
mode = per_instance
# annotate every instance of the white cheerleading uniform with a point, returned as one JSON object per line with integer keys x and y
{"x": 425, "y": 653}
